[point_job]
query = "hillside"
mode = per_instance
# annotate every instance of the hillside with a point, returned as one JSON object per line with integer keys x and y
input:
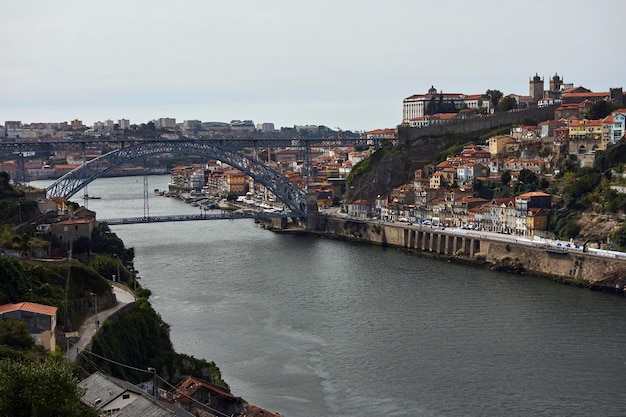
{"x": 595, "y": 226}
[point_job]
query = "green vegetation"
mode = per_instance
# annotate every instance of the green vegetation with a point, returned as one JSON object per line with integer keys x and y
{"x": 40, "y": 389}
{"x": 139, "y": 337}
{"x": 45, "y": 283}
{"x": 494, "y": 96}
{"x": 506, "y": 104}
{"x": 600, "y": 109}
{"x": 15, "y": 342}
{"x": 30, "y": 378}
{"x": 364, "y": 165}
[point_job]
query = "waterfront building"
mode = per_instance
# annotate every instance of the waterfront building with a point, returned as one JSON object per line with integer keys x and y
{"x": 536, "y": 220}
{"x": 113, "y": 396}
{"x": 532, "y": 200}
{"x": 71, "y": 229}
{"x": 499, "y": 215}
{"x": 193, "y": 394}
{"x": 187, "y": 178}
{"x": 361, "y": 208}
{"x": 234, "y": 182}
{"x": 461, "y": 209}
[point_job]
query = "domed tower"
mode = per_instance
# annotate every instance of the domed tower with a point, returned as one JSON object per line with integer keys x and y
{"x": 555, "y": 83}
{"x": 536, "y": 88}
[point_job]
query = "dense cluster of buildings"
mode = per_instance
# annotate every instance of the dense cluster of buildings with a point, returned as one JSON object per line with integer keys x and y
{"x": 165, "y": 127}
{"x": 443, "y": 195}
{"x": 442, "y": 192}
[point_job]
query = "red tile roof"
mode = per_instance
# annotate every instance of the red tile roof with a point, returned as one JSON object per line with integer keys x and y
{"x": 32, "y": 307}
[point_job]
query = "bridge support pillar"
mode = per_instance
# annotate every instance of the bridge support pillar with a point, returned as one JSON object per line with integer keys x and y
{"x": 311, "y": 200}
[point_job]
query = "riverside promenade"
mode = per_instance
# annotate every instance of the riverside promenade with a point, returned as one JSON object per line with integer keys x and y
{"x": 89, "y": 328}
{"x": 583, "y": 266}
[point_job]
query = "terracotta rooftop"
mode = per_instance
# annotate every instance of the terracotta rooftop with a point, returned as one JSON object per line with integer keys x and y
{"x": 32, "y": 307}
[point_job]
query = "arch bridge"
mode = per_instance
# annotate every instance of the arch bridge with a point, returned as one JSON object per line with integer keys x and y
{"x": 289, "y": 193}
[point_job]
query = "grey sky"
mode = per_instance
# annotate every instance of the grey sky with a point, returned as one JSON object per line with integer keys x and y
{"x": 344, "y": 64}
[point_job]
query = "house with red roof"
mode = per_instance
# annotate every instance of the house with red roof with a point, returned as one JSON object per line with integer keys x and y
{"x": 40, "y": 319}
{"x": 361, "y": 208}
{"x": 613, "y": 126}
{"x": 195, "y": 393}
{"x": 73, "y": 228}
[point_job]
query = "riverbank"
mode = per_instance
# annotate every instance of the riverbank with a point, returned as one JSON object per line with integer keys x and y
{"x": 601, "y": 270}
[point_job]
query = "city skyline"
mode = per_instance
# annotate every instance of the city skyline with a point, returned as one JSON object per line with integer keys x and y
{"x": 323, "y": 63}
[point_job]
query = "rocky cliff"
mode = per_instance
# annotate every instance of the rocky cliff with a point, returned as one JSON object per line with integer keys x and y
{"x": 393, "y": 166}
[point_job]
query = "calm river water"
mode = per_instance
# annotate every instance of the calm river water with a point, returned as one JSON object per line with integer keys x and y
{"x": 315, "y": 327}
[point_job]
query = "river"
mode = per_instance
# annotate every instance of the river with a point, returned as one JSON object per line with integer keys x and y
{"x": 315, "y": 327}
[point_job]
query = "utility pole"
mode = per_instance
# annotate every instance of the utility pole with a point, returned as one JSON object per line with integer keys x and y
{"x": 153, "y": 381}
{"x": 96, "y": 302}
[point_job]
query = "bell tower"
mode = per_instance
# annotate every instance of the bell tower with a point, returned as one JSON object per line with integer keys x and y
{"x": 536, "y": 88}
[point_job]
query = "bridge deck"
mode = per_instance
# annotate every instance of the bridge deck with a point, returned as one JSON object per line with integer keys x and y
{"x": 192, "y": 217}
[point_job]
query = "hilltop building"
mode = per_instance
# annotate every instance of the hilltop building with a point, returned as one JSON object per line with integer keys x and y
{"x": 419, "y": 105}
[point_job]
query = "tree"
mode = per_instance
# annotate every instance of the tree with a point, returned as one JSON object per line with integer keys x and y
{"x": 40, "y": 389}
{"x": 600, "y": 109}
{"x": 528, "y": 178}
{"x": 14, "y": 333}
{"x": 506, "y": 104}
{"x": 494, "y": 96}
{"x": 506, "y": 177}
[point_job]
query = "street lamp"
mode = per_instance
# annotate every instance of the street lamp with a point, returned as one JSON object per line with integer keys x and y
{"x": 134, "y": 273}
{"x": 96, "y": 303}
{"x": 118, "y": 268}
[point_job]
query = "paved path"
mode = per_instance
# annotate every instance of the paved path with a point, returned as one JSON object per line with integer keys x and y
{"x": 88, "y": 329}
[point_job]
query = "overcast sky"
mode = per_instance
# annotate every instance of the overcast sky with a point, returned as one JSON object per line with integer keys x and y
{"x": 339, "y": 63}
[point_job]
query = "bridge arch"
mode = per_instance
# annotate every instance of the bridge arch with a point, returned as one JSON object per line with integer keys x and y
{"x": 288, "y": 192}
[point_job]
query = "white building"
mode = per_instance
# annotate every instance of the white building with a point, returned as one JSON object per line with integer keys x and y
{"x": 417, "y": 105}
{"x": 613, "y": 126}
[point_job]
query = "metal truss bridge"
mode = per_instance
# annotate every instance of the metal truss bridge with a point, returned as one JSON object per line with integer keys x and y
{"x": 224, "y": 215}
{"x": 290, "y": 194}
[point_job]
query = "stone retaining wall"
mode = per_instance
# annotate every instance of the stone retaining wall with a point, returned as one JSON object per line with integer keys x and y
{"x": 571, "y": 266}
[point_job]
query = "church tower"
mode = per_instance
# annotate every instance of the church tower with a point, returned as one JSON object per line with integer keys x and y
{"x": 536, "y": 88}
{"x": 555, "y": 83}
